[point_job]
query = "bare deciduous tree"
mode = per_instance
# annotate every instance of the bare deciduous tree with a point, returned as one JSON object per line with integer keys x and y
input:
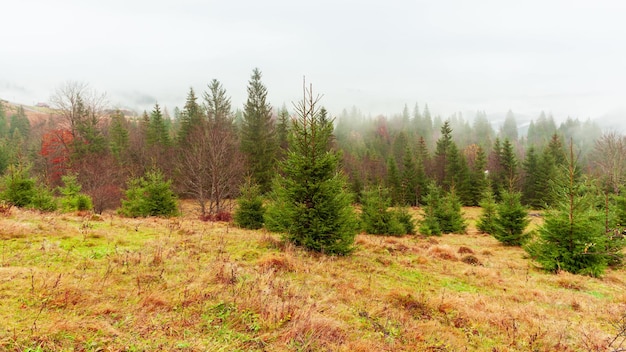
{"x": 609, "y": 160}
{"x": 211, "y": 164}
{"x": 76, "y": 103}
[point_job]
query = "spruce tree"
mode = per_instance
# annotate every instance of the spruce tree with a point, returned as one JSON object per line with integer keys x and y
{"x": 150, "y": 195}
{"x": 258, "y": 135}
{"x": 118, "y": 136}
{"x": 376, "y": 217}
{"x": 442, "y": 214}
{"x": 442, "y": 155}
{"x": 511, "y": 220}
{"x": 310, "y": 203}
{"x": 451, "y": 216}
{"x": 410, "y": 179}
{"x": 430, "y": 222}
{"x": 477, "y": 179}
{"x": 531, "y": 181}
{"x": 157, "y": 130}
{"x": 458, "y": 177}
{"x": 509, "y": 128}
{"x": 573, "y": 237}
{"x": 282, "y": 132}
{"x": 393, "y": 182}
{"x": 250, "y": 209}
{"x": 190, "y": 118}
{"x": 487, "y": 221}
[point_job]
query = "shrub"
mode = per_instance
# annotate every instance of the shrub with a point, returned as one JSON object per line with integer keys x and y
{"x": 487, "y": 221}
{"x": 511, "y": 220}
{"x": 44, "y": 200}
{"x": 442, "y": 213}
{"x": 250, "y": 210}
{"x": 22, "y": 191}
{"x": 72, "y": 199}
{"x": 19, "y": 189}
{"x": 573, "y": 237}
{"x": 376, "y": 218}
{"x": 406, "y": 220}
{"x": 310, "y": 203}
{"x": 149, "y": 196}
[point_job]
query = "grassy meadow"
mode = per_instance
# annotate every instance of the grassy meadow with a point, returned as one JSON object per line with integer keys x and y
{"x": 106, "y": 283}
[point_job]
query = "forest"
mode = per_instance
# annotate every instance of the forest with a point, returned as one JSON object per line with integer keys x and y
{"x": 259, "y": 228}
{"x": 96, "y": 158}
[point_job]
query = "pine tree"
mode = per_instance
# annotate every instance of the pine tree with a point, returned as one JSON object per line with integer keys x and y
{"x": 451, "y": 217}
{"x": 573, "y": 237}
{"x": 4, "y": 124}
{"x": 310, "y": 204}
{"x": 190, "y": 118}
{"x": 530, "y": 185}
{"x": 158, "y": 135}
{"x": 217, "y": 104}
{"x": 393, "y": 182}
{"x": 282, "y": 132}
{"x": 376, "y": 217}
{"x": 442, "y": 214}
{"x": 430, "y": 223}
{"x": 442, "y": 154}
{"x": 410, "y": 180}
{"x": 118, "y": 135}
{"x": 19, "y": 123}
{"x": 509, "y": 128}
{"x": 151, "y": 195}
{"x": 477, "y": 178}
{"x": 508, "y": 162}
{"x": 258, "y": 135}
{"x": 250, "y": 209}
{"x": 458, "y": 177}
{"x": 73, "y": 199}
{"x": 511, "y": 220}
{"x": 487, "y": 221}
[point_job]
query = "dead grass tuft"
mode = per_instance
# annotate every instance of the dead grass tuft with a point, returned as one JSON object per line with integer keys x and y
{"x": 271, "y": 242}
{"x": 471, "y": 260}
{"x": 570, "y": 282}
{"x": 444, "y": 252}
{"x": 278, "y": 262}
{"x": 417, "y": 307}
{"x": 465, "y": 250}
{"x": 5, "y": 209}
{"x": 314, "y": 332}
{"x": 155, "y": 302}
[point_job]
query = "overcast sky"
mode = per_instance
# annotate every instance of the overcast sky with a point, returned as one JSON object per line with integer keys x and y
{"x": 565, "y": 57}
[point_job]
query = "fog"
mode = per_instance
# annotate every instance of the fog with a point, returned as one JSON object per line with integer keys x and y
{"x": 563, "y": 57}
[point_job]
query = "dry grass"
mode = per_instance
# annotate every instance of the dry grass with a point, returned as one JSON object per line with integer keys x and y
{"x": 74, "y": 282}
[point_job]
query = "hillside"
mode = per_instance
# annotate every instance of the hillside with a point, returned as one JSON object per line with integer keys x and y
{"x": 84, "y": 282}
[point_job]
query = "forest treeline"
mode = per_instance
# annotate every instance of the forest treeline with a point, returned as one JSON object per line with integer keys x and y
{"x": 210, "y": 152}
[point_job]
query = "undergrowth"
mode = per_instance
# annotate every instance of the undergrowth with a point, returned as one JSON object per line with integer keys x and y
{"x": 76, "y": 282}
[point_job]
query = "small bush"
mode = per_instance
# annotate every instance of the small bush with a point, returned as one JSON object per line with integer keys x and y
{"x": 72, "y": 199}
{"x": 22, "y": 191}
{"x": 487, "y": 221}
{"x": 250, "y": 210}
{"x": 19, "y": 189}
{"x": 149, "y": 196}
{"x": 223, "y": 216}
{"x": 377, "y": 219}
{"x": 406, "y": 220}
{"x": 44, "y": 200}
{"x": 511, "y": 220}
{"x": 442, "y": 214}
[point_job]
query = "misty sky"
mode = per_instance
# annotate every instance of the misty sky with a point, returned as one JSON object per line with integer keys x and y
{"x": 564, "y": 57}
